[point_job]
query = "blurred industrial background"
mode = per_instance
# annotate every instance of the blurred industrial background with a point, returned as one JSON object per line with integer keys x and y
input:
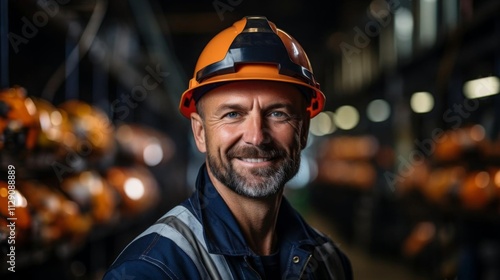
{"x": 402, "y": 168}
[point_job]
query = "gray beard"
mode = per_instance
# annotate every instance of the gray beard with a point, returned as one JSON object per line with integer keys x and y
{"x": 271, "y": 179}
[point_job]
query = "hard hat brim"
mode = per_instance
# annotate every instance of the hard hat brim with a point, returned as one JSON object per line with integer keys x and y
{"x": 248, "y": 73}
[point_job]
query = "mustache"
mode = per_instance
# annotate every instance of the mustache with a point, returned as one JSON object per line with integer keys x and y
{"x": 256, "y": 152}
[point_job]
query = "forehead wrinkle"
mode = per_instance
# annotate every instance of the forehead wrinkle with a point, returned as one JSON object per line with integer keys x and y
{"x": 242, "y": 92}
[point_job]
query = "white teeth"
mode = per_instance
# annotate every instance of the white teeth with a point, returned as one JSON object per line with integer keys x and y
{"x": 254, "y": 159}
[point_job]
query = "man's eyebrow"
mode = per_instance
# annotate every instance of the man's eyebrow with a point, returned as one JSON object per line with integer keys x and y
{"x": 238, "y": 107}
{"x": 229, "y": 107}
{"x": 280, "y": 105}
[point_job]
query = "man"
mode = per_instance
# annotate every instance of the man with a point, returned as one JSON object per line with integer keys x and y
{"x": 250, "y": 103}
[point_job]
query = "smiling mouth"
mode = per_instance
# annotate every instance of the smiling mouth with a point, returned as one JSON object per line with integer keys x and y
{"x": 255, "y": 160}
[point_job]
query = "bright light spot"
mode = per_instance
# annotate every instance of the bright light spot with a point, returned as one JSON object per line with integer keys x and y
{"x": 95, "y": 185}
{"x": 482, "y": 87}
{"x": 403, "y": 24}
{"x": 477, "y": 133}
{"x": 497, "y": 179}
{"x": 403, "y": 29}
{"x": 30, "y": 106}
{"x": 20, "y": 200}
{"x": 153, "y": 153}
{"x": 428, "y": 22}
{"x": 422, "y": 102}
{"x": 347, "y": 117}
{"x": 482, "y": 179}
{"x": 56, "y": 118}
{"x": 53, "y": 203}
{"x": 44, "y": 119}
{"x": 322, "y": 124}
{"x": 378, "y": 110}
{"x": 134, "y": 188}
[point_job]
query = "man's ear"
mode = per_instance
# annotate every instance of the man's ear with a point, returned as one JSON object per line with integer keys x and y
{"x": 198, "y": 132}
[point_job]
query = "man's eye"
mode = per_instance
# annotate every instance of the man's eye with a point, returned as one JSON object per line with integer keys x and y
{"x": 232, "y": 115}
{"x": 278, "y": 114}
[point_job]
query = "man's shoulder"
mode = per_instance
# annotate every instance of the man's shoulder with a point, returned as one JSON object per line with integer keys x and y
{"x": 152, "y": 257}
{"x": 157, "y": 250}
{"x": 161, "y": 237}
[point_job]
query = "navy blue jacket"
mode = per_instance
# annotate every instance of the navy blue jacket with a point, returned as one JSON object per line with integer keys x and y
{"x": 200, "y": 239}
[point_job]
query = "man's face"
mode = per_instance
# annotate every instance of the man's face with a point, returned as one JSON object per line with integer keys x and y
{"x": 253, "y": 133}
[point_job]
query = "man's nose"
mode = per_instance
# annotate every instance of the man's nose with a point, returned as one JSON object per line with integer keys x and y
{"x": 255, "y": 130}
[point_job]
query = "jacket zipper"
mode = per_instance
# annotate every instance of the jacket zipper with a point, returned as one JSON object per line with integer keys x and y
{"x": 252, "y": 269}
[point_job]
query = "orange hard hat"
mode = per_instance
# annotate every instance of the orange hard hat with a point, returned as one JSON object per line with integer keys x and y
{"x": 18, "y": 127}
{"x": 252, "y": 49}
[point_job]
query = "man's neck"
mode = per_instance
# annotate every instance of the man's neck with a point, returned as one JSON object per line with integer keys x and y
{"x": 255, "y": 216}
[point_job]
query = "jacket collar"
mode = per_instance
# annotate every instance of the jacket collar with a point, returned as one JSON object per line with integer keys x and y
{"x": 222, "y": 233}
